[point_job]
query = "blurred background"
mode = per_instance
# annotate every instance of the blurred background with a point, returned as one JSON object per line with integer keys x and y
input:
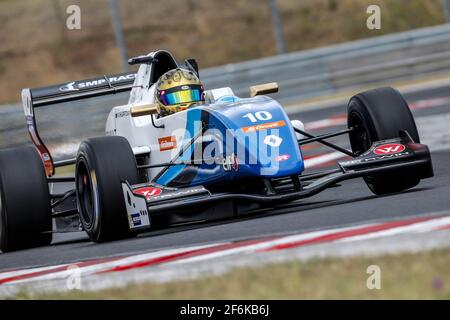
{"x": 312, "y": 48}
{"x": 321, "y": 52}
{"x": 37, "y": 49}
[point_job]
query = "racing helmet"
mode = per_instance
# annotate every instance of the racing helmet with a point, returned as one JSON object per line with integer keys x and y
{"x": 177, "y": 90}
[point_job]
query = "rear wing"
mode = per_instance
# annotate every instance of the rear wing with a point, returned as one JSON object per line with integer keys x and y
{"x": 72, "y": 91}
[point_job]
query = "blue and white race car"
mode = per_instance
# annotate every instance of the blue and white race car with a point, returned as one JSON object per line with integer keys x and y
{"x": 226, "y": 157}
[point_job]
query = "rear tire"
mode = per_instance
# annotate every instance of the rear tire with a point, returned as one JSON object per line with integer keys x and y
{"x": 25, "y": 213}
{"x": 382, "y": 114}
{"x": 102, "y": 164}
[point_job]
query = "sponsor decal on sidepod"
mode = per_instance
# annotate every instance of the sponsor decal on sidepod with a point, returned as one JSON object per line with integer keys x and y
{"x": 167, "y": 143}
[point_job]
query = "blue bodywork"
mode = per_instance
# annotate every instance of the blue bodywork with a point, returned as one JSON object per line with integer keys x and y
{"x": 254, "y": 135}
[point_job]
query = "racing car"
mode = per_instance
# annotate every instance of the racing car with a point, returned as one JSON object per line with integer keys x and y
{"x": 229, "y": 156}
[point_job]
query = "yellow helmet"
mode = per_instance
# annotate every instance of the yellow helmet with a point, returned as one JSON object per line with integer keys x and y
{"x": 178, "y": 89}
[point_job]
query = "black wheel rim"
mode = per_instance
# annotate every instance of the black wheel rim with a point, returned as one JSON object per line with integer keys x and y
{"x": 359, "y": 138}
{"x": 85, "y": 195}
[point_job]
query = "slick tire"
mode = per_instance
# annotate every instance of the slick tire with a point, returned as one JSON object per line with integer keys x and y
{"x": 25, "y": 212}
{"x": 102, "y": 164}
{"x": 382, "y": 114}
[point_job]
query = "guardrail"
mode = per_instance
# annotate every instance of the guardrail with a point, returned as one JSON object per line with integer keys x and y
{"x": 301, "y": 75}
{"x": 311, "y": 73}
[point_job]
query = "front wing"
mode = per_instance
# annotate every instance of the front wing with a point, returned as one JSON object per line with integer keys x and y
{"x": 143, "y": 202}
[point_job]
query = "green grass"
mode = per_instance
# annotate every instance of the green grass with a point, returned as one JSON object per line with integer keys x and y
{"x": 423, "y": 275}
{"x": 65, "y": 171}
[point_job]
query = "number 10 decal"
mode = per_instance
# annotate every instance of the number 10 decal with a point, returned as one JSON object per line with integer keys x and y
{"x": 260, "y": 115}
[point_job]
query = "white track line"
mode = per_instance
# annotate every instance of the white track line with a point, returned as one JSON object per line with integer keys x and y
{"x": 326, "y": 123}
{"x": 319, "y": 160}
{"x": 15, "y": 273}
{"x": 425, "y": 226}
{"x": 90, "y": 269}
{"x": 251, "y": 248}
{"x": 266, "y": 244}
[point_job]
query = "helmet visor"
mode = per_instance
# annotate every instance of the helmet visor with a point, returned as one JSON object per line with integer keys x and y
{"x": 181, "y": 94}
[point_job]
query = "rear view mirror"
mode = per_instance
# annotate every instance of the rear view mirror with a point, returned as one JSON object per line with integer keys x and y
{"x": 193, "y": 65}
{"x": 144, "y": 109}
{"x": 264, "y": 88}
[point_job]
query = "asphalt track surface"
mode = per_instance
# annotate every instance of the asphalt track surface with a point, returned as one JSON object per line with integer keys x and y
{"x": 350, "y": 204}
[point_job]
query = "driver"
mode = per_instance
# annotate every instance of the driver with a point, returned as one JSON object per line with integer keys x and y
{"x": 177, "y": 90}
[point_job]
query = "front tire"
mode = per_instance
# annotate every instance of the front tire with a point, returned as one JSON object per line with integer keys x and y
{"x": 25, "y": 213}
{"x": 102, "y": 164}
{"x": 382, "y": 114}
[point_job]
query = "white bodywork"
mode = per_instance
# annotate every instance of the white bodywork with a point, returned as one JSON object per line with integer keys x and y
{"x": 142, "y": 135}
{"x": 163, "y": 139}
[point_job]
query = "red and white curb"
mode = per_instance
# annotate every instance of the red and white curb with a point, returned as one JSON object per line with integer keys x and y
{"x": 336, "y": 121}
{"x": 323, "y": 159}
{"x": 208, "y": 253}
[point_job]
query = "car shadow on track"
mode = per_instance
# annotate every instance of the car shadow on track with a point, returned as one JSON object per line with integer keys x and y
{"x": 297, "y": 207}
{"x": 268, "y": 212}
